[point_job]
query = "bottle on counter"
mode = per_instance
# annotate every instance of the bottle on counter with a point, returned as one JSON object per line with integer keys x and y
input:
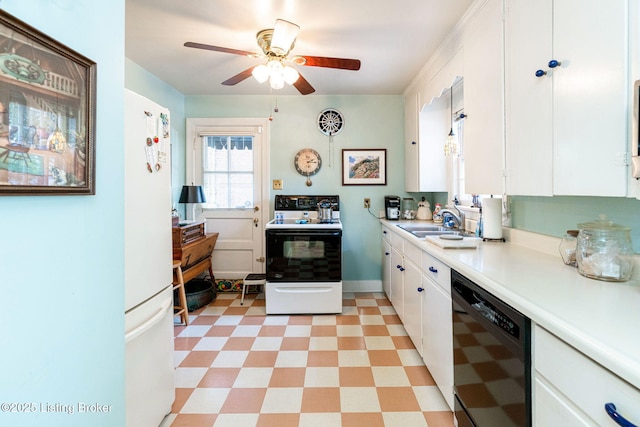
{"x": 437, "y": 215}
{"x": 479, "y": 225}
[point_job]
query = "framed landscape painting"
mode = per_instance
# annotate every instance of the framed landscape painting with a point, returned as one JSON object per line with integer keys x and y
{"x": 364, "y": 167}
{"x": 47, "y": 114}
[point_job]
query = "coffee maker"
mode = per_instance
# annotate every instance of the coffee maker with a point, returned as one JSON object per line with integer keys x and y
{"x": 392, "y": 207}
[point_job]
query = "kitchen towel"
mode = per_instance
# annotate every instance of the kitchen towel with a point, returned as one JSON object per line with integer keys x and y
{"x": 492, "y": 218}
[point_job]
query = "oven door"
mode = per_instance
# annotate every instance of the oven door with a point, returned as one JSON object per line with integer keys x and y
{"x": 304, "y": 255}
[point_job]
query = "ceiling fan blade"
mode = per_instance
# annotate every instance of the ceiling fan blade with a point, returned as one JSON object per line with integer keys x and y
{"x": 238, "y": 77}
{"x": 221, "y": 49}
{"x": 322, "y": 61}
{"x": 303, "y": 86}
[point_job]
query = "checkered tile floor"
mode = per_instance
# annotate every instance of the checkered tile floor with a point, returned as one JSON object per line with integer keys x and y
{"x": 235, "y": 366}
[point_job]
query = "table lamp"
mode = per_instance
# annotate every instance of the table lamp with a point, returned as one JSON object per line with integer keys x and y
{"x": 190, "y": 195}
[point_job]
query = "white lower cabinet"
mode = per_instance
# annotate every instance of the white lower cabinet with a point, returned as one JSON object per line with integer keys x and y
{"x": 570, "y": 389}
{"x": 386, "y": 268}
{"x": 420, "y": 293}
{"x": 437, "y": 326}
{"x": 437, "y": 337}
{"x": 412, "y": 284}
{"x": 397, "y": 298}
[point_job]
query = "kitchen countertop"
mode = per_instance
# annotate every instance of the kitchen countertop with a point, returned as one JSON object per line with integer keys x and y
{"x": 601, "y": 319}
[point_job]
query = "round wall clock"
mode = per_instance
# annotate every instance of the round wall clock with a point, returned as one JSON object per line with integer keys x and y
{"x": 330, "y": 122}
{"x": 307, "y": 162}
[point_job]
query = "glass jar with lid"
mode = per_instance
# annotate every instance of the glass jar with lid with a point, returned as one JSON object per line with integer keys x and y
{"x": 408, "y": 208}
{"x": 604, "y": 250}
{"x": 568, "y": 246}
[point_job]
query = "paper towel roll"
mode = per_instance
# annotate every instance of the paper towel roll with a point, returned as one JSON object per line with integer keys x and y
{"x": 492, "y": 218}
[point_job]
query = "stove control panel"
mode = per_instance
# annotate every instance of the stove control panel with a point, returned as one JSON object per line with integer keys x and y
{"x": 304, "y": 203}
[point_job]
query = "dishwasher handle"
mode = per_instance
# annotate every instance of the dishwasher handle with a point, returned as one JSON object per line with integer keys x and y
{"x": 615, "y": 416}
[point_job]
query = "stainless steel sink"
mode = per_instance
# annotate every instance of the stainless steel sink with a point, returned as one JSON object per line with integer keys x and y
{"x": 422, "y": 231}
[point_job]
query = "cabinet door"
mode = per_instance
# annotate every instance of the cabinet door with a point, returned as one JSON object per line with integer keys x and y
{"x": 566, "y": 129}
{"x": 528, "y": 106}
{"x": 397, "y": 268}
{"x": 411, "y": 153}
{"x": 484, "y": 102}
{"x": 386, "y": 268}
{"x": 412, "y": 283}
{"x": 553, "y": 410}
{"x": 590, "y": 97}
{"x": 437, "y": 337}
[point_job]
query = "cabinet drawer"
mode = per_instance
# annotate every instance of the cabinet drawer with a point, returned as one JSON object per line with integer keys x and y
{"x": 585, "y": 383}
{"x": 393, "y": 239}
{"x": 413, "y": 253}
{"x": 437, "y": 271}
{"x": 386, "y": 234}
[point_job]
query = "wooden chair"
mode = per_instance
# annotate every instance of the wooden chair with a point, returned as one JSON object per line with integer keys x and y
{"x": 178, "y": 283}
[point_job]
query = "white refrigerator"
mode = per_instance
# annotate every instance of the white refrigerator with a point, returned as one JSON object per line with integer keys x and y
{"x": 149, "y": 366}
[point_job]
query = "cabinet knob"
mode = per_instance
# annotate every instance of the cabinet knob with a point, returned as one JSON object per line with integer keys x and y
{"x": 554, "y": 63}
{"x": 413, "y": 143}
{"x": 433, "y": 269}
{"x": 540, "y": 73}
{"x": 420, "y": 289}
{"x": 615, "y": 416}
{"x": 386, "y": 253}
{"x": 401, "y": 268}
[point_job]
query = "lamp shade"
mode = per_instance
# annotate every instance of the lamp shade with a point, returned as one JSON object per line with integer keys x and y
{"x": 192, "y": 194}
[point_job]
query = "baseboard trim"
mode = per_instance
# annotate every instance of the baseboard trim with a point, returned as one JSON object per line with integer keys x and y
{"x": 362, "y": 286}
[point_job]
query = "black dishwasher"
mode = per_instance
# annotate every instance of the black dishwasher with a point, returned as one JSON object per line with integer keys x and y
{"x": 492, "y": 358}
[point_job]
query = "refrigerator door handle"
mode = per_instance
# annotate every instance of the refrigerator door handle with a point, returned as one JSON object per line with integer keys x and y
{"x": 149, "y": 323}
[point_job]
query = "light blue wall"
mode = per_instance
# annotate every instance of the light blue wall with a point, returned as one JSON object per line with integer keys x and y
{"x": 62, "y": 257}
{"x": 370, "y": 122}
{"x": 554, "y": 215}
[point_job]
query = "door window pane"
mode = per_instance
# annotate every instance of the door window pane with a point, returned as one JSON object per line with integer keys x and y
{"x": 228, "y": 171}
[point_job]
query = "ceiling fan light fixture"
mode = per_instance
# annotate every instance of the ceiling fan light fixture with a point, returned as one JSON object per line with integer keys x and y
{"x": 284, "y": 36}
{"x": 275, "y": 66}
{"x": 261, "y": 73}
{"x": 290, "y": 75}
{"x": 276, "y": 81}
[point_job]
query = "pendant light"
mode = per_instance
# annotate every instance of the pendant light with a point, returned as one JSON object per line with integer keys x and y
{"x": 451, "y": 145}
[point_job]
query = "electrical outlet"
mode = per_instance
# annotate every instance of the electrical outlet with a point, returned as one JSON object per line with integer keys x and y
{"x": 277, "y": 184}
{"x": 367, "y": 203}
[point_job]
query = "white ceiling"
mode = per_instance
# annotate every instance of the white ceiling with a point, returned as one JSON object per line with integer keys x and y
{"x": 392, "y": 39}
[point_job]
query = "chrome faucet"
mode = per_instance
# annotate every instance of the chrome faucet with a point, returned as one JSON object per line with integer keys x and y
{"x": 458, "y": 218}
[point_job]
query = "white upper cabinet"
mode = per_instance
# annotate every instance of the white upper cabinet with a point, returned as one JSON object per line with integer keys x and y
{"x": 566, "y": 72}
{"x": 427, "y": 123}
{"x": 411, "y": 152}
{"x": 484, "y": 101}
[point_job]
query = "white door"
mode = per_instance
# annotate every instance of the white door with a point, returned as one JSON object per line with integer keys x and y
{"x": 229, "y": 158}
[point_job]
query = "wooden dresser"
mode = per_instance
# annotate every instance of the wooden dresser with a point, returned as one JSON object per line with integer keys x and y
{"x": 193, "y": 248}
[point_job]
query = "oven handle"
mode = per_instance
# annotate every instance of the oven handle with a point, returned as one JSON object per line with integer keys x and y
{"x": 307, "y": 232}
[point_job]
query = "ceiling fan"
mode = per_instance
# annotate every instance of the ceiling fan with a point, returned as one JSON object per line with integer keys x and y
{"x": 276, "y": 44}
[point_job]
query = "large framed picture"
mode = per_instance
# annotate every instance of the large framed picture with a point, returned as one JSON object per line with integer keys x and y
{"x": 47, "y": 114}
{"x": 364, "y": 167}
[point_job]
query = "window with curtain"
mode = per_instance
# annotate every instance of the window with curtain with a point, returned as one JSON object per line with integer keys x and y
{"x": 228, "y": 176}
